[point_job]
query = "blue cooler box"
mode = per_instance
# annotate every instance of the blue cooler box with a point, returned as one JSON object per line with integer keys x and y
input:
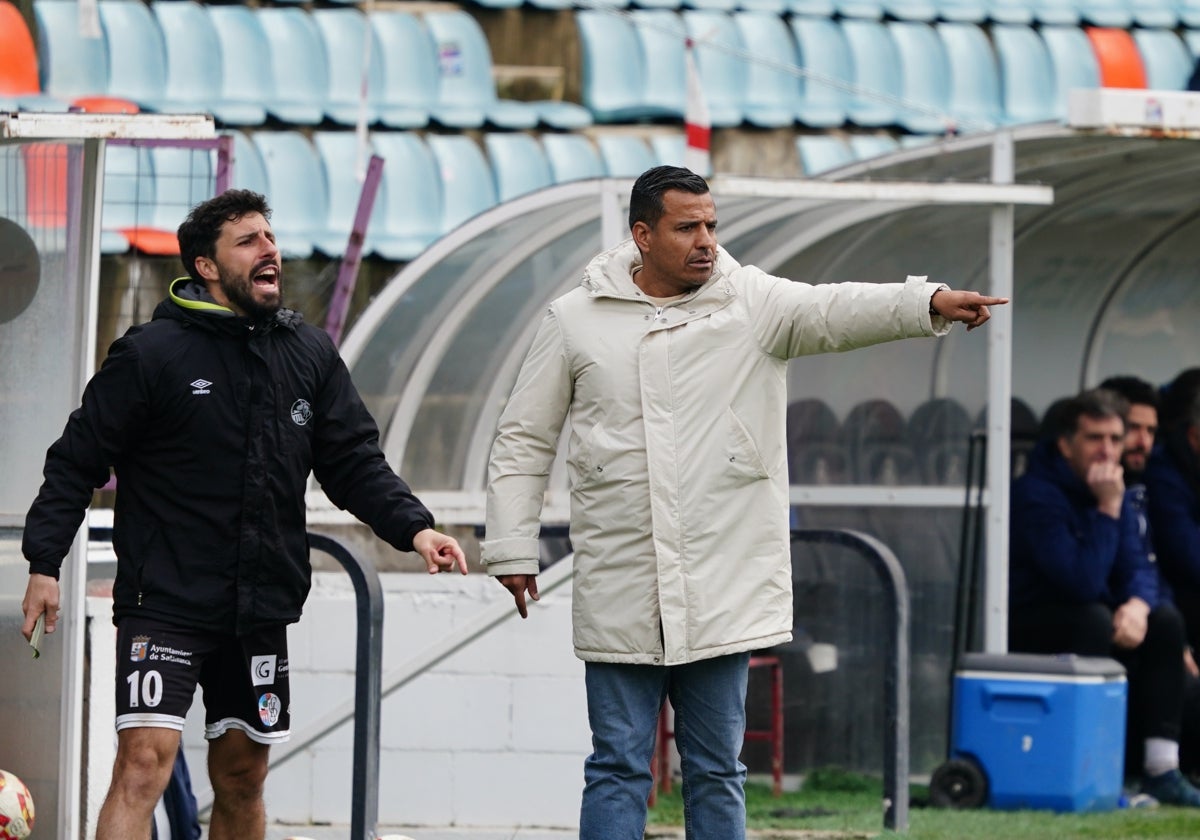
{"x": 1048, "y": 731}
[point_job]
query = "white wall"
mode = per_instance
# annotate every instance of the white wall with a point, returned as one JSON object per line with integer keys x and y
{"x": 493, "y": 736}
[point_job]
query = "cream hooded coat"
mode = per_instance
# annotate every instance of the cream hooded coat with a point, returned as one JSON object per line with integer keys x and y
{"x": 677, "y": 454}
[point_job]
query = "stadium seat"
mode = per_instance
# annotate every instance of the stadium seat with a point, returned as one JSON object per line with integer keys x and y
{"x": 963, "y": 11}
{"x": 410, "y": 196}
{"x": 925, "y": 10}
{"x": 248, "y": 171}
{"x": 297, "y": 190}
{"x": 20, "y": 80}
{"x": 940, "y": 432}
{"x": 1120, "y": 62}
{"x": 1011, "y": 11}
{"x": 519, "y": 165}
{"x": 1074, "y": 62}
{"x": 875, "y": 436}
{"x": 468, "y": 187}
{"x": 137, "y": 56}
{"x": 248, "y": 71}
{"x": 1189, "y": 13}
{"x": 822, "y": 152}
{"x": 1106, "y": 12}
{"x": 864, "y": 9}
{"x": 825, "y": 57}
{"x": 613, "y": 79}
{"x": 710, "y": 5}
{"x": 71, "y": 65}
{"x": 1192, "y": 38}
{"x": 466, "y": 87}
{"x": 296, "y": 52}
{"x": 1026, "y": 74}
{"x": 1055, "y": 11}
{"x": 773, "y": 7}
{"x": 974, "y": 76}
{"x": 182, "y": 179}
{"x": 1167, "y": 59}
{"x": 128, "y": 196}
{"x": 814, "y": 449}
{"x": 925, "y": 76}
{"x": 719, "y": 55}
{"x": 1161, "y": 14}
{"x": 553, "y": 5}
{"x": 194, "y": 68}
{"x": 343, "y": 31}
{"x": 670, "y": 149}
{"x": 772, "y": 92}
{"x": 812, "y": 8}
{"x": 661, "y": 37}
{"x": 625, "y": 155}
{"x": 409, "y": 84}
{"x": 876, "y": 69}
{"x": 572, "y": 157}
{"x": 867, "y": 146}
{"x": 339, "y": 154}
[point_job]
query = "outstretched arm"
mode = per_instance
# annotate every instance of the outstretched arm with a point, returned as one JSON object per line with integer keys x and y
{"x": 970, "y": 308}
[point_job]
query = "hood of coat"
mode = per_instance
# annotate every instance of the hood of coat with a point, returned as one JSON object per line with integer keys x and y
{"x": 189, "y": 301}
{"x": 609, "y": 274}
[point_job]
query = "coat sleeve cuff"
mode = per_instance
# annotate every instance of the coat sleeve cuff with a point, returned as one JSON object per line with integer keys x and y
{"x": 41, "y": 567}
{"x": 510, "y": 556}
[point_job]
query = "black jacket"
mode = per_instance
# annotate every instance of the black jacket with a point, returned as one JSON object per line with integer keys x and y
{"x": 212, "y": 424}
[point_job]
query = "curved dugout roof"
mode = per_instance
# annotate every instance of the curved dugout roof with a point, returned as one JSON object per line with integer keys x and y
{"x": 1104, "y": 282}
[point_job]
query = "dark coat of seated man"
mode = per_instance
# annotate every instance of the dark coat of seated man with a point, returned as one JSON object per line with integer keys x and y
{"x": 1080, "y": 580}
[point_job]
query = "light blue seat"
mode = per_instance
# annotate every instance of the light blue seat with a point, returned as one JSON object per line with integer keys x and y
{"x": 1027, "y": 80}
{"x": 128, "y": 195}
{"x": 825, "y": 56}
{"x": 925, "y": 10}
{"x": 661, "y": 35}
{"x": 813, "y": 8}
{"x": 719, "y": 55}
{"x": 466, "y": 88}
{"x": 408, "y": 90}
{"x": 519, "y": 164}
{"x": 876, "y": 70}
{"x": 1155, "y": 13}
{"x": 772, "y": 93}
{"x": 572, "y": 157}
{"x": 1113, "y": 13}
{"x": 925, "y": 76}
{"x": 975, "y": 98}
{"x": 613, "y": 76}
{"x": 1056, "y": 11}
{"x": 468, "y": 187}
{"x": 248, "y": 72}
{"x": 339, "y": 154}
{"x": 298, "y": 195}
{"x": 553, "y": 5}
{"x": 1189, "y": 12}
{"x": 194, "y": 64}
{"x": 410, "y": 196}
{"x": 963, "y": 11}
{"x": 671, "y": 149}
{"x": 1167, "y": 60}
{"x": 297, "y": 56}
{"x": 865, "y": 9}
{"x": 774, "y": 7}
{"x": 710, "y": 5}
{"x": 344, "y": 33}
{"x": 1011, "y": 11}
{"x": 867, "y": 146}
{"x": 70, "y": 65}
{"x": 1075, "y": 64}
{"x": 248, "y": 171}
{"x": 822, "y": 152}
{"x": 1192, "y": 38}
{"x": 182, "y": 179}
{"x": 625, "y": 155}
{"x": 137, "y": 57}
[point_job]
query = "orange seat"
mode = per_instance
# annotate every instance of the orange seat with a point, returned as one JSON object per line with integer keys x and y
{"x": 105, "y": 105}
{"x": 151, "y": 240}
{"x": 18, "y": 55}
{"x": 1117, "y": 53}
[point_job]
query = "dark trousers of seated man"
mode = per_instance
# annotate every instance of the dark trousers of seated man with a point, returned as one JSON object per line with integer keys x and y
{"x": 1154, "y": 668}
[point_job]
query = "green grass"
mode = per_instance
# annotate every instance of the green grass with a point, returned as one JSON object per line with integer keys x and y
{"x": 835, "y": 801}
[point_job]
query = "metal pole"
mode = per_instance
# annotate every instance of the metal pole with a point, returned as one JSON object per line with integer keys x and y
{"x": 347, "y": 276}
{"x": 895, "y": 681}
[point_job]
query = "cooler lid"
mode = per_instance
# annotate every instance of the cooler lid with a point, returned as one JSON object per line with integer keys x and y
{"x": 1038, "y": 663}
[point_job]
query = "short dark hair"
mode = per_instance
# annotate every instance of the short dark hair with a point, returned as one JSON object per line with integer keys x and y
{"x": 199, "y": 232}
{"x": 1178, "y": 398}
{"x": 1096, "y": 404}
{"x": 1134, "y": 389}
{"x": 646, "y": 199}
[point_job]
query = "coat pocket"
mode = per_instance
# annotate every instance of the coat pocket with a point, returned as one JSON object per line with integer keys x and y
{"x": 744, "y": 463}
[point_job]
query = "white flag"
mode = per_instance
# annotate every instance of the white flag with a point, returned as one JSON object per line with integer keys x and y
{"x": 696, "y": 123}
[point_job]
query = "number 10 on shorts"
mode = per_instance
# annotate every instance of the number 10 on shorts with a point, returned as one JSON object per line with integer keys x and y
{"x": 145, "y": 689}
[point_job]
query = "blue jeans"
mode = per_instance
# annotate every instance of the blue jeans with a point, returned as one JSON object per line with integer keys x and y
{"x": 709, "y": 698}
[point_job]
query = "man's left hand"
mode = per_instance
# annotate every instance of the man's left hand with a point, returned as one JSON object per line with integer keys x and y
{"x": 970, "y": 308}
{"x": 1130, "y": 622}
{"x": 440, "y": 552}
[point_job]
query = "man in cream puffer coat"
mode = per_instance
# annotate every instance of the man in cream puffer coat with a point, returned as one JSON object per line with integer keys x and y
{"x": 670, "y": 360}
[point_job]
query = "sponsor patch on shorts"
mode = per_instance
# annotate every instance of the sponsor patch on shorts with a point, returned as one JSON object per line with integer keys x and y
{"x": 269, "y": 707}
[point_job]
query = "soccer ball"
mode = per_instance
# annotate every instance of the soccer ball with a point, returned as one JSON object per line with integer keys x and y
{"x": 16, "y": 808}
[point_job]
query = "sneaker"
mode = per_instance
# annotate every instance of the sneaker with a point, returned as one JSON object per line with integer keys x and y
{"x": 1171, "y": 788}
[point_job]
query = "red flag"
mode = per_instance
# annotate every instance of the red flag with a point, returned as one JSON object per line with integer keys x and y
{"x": 696, "y": 122}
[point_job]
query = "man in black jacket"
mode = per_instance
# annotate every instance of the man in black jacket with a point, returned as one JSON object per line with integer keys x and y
{"x": 212, "y": 416}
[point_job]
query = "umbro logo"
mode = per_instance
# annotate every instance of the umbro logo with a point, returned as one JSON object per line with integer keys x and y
{"x": 200, "y": 386}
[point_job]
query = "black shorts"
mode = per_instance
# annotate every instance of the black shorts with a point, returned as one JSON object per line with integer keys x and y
{"x": 245, "y": 679}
